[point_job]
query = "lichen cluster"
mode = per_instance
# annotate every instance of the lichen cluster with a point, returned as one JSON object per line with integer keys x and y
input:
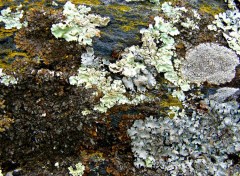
{"x": 231, "y": 4}
{"x": 7, "y": 79}
{"x": 197, "y": 144}
{"x": 113, "y": 90}
{"x": 228, "y": 23}
{"x": 12, "y": 19}
{"x": 78, "y": 25}
{"x": 139, "y": 65}
{"x": 78, "y": 171}
{"x": 39, "y": 43}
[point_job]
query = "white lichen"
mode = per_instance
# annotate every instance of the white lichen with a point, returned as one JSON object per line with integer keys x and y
{"x": 113, "y": 91}
{"x": 78, "y": 170}
{"x": 89, "y": 59}
{"x": 156, "y": 53}
{"x": 209, "y": 62}
{"x": 231, "y": 4}
{"x": 7, "y": 79}
{"x": 78, "y": 24}
{"x": 186, "y": 145}
{"x": 229, "y": 24}
{"x": 12, "y": 19}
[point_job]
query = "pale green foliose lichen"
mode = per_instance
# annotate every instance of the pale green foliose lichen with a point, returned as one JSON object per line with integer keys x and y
{"x": 231, "y": 4}
{"x": 173, "y": 111}
{"x": 12, "y": 19}
{"x": 113, "y": 90}
{"x": 134, "y": 70}
{"x": 138, "y": 66}
{"x": 229, "y": 23}
{"x": 157, "y": 51}
{"x": 89, "y": 59}
{"x": 79, "y": 25}
{"x": 78, "y": 171}
{"x": 7, "y": 79}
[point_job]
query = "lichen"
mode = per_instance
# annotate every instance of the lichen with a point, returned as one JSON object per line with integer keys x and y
{"x": 156, "y": 53}
{"x": 79, "y": 25}
{"x": 228, "y": 23}
{"x": 78, "y": 171}
{"x": 7, "y": 79}
{"x": 231, "y": 4}
{"x": 123, "y": 8}
{"x": 186, "y": 144}
{"x": 170, "y": 101}
{"x": 206, "y": 8}
{"x": 12, "y": 19}
{"x": 86, "y": 2}
{"x": 4, "y": 33}
{"x": 5, "y": 122}
{"x": 32, "y": 39}
{"x": 113, "y": 90}
{"x": 209, "y": 62}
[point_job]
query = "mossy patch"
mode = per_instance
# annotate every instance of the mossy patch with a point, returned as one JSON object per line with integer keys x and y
{"x": 123, "y": 8}
{"x": 206, "y": 8}
{"x": 9, "y": 57}
{"x": 4, "y": 33}
{"x": 169, "y": 101}
{"x": 131, "y": 25}
{"x": 86, "y": 2}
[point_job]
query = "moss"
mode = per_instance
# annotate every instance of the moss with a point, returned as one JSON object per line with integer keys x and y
{"x": 126, "y": 17}
{"x": 9, "y": 57}
{"x": 14, "y": 54}
{"x": 123, "y": 8}
{"x": 86, "y": 2}
{"x": 130, "y": 24}
{"x": 5, "y": 2}
{"x": 5, "y": 123}
{"x": 170, "y": 101}
{"x": 206, "y": 8}
{"x": 4, "y": 33}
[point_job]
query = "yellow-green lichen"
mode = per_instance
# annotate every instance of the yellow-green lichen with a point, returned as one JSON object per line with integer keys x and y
{"x": 6, "y": 32}
{"x": 123, "y": 20}
{"x": 10, "y": 55}
{"x": 170, "y": 101}
{"x": 123, "y": 8}
{"x": 5, "y": 2}
{"x": 5, "y": 123}
{"x": 130, "y": 24}
{"x": 86, "y": 2}
{"x": 207, "y": 8}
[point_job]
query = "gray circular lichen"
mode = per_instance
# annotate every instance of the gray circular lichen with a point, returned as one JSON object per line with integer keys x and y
{"x": 209, "y": 62}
